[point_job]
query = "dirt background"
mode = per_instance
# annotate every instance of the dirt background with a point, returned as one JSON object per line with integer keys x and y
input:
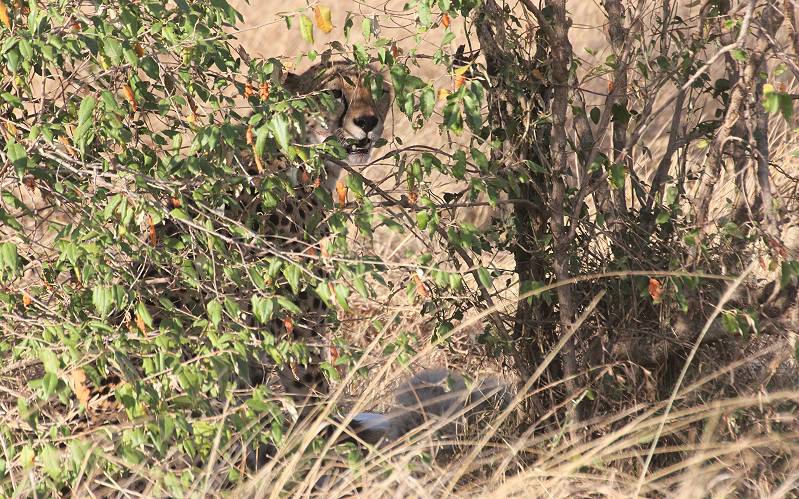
{"x": 264, "y": 33}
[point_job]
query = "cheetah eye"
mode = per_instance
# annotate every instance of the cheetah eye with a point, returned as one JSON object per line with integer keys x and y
{"x": 337, "y": 94}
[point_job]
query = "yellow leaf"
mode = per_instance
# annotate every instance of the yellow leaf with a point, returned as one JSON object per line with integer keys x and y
{"x": 11, "y": 128}
{"x": 341, "y": 190}
{"x": 153, "y": 238}
{"x": 258, "y": 163}
{"x": 250, "y": 136}
{"x": 4, "y": 15}
{"x": 140, "y": 324}
{"x": 321, "y": 15}
{"x": 460, "y": 71}
{"x": 130, "y": 96}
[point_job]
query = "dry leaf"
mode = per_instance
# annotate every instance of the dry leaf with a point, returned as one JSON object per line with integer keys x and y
{"x": 12, "y": 128}
{"x": 413, "y": 197}
{"x": 611, "y": 86}
{"x": 334, "y": 355}
{"x": 263, "y": 92}
{"x": 655, "y": 289}
{"x": 151, "y": 229}
{"x": 445, "y": 20}
{"x": 341, "y": 190}
{"x": 322, "y": 16}
{"x": 259, "y": 165}
{"x": 6, "y": 20}
{"x": 305, "y": 177}
{"x": 289, "y": 325}
{"x": 26, "y": 299}
{"x": 248, "y": 91}
{"x": 82, "y": 391}
{"x": 131, "y": 98}
{"x": 250, "y": 136}
{"x": 140, "y": 324}
{"x": 65, "y": 142}
{"x": 138, "y": 49}
{"x": 175, "y": 202}
{"x": 395, "y": 51}
{"x": 421, "y": 290}
{"x": 460, "y": 80}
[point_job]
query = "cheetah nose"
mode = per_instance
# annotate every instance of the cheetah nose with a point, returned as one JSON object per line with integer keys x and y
{"x": 366, "y": 123}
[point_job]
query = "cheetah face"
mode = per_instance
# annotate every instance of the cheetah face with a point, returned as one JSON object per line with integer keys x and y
{"x": 356, "y": 109}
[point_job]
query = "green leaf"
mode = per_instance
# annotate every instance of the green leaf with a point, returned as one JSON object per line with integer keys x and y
{"x": 50, "y": 361}
{"x": 214, "y": 310}
{"x": 144, "y": 313}
{"x": 280, "y": 129}
{"x": 617, "y": 175}
{"x": 425, "y": 16}
{"x": 730, "y": 321}
{"x": 786, "y": 106}
{"x": 306, "y": 28}
{"x": 355, "y": 183}
{"x": 86, "y": 110}
{"x": 103, "y": 300}
{"x": 361, "y": 54}
{"x": 342, "y": 293}
{"x": 771, "y": 102}
{"x": 366, "y": 28}
{"x": 9, "y": 259}
{"x": 455, "y": 281}
{"x": 292, "y": 274}
{"x": 51, "y": 462}
{"x": 233, "y": 309}
{"x": 788, "y": 272}
{"x": 453, "y": 118}
{"x": 262, "y": 308}
{"x": 481, "y": 159}
{"x": 287, "y": 304}
{"x": 113, "y": 49}
{"x": 485, "y": 277}
{"x": 26, "y": 49}
{"x": 360, "y": 286}
{"x": 596, "y": 114}
{"x": 17, "y": 156}
{"x": 422, "y": 219}
{"x": 427, "y": 101}
{"x": 49, "y": 384}
{"x": 620, "y": 114}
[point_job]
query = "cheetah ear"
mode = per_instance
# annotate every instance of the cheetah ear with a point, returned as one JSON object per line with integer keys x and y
{"x": 292, "y": 81}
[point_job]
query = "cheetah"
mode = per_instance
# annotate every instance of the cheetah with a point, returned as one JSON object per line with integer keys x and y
{"x": 357, "y": 120}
